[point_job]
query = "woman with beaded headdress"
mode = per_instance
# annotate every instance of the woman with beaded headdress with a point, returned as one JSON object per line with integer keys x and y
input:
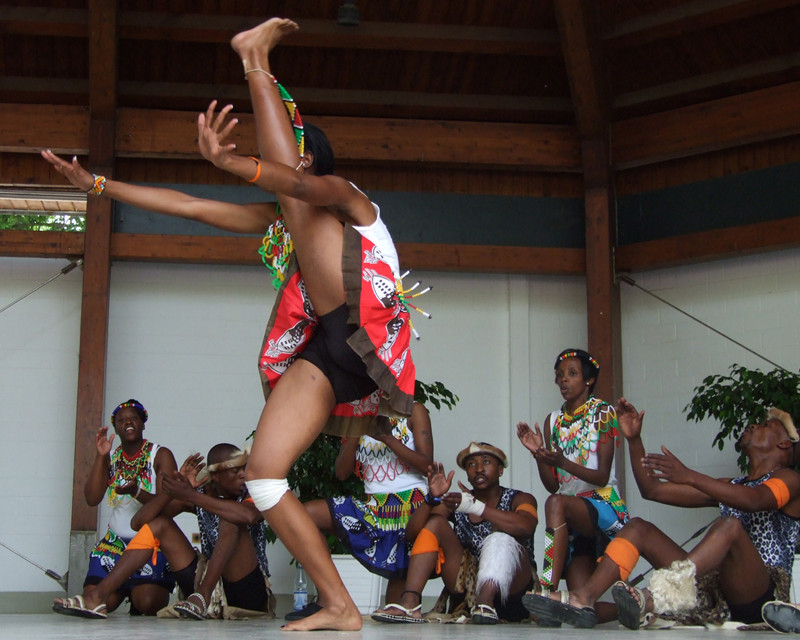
{"x": 126, "y": 478}
{"x": 575, "y": 458}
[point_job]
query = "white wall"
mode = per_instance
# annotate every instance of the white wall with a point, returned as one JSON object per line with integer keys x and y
{"x": 39, "y": 339}
{"x": 183, "y": 340}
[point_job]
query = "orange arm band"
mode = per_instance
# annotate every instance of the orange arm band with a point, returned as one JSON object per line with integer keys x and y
{"x": 528, "y": 508}
{"x": 145, "y": 540}
{"x": 779, "y": 490}
{"x": 427, "y": 542}
{"x": 623, "y": 554}
{"x": 258, "y": 169}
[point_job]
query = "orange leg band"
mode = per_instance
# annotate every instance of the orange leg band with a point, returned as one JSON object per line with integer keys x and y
{"x": 145, "y": 540}
{"x": 427, "y": 542}
{"x": 624, "y": 555}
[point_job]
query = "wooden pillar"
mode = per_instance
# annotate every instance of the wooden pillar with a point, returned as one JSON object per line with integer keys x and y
{"x": 96, "y": 259}
{"x": 602, "y": 294}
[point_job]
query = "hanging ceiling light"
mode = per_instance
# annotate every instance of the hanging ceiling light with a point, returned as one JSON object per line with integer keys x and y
{"x": 348, "y": 14}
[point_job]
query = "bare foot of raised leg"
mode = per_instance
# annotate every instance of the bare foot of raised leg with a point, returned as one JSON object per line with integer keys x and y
{"x": 347, "y": 618}
{"x": 254, "y": 45}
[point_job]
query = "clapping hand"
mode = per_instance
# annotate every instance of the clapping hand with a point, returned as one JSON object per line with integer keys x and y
{"x": 629, "y": 419}
{"x": 191, "y": 467}
{"x": 438, "y": 482}
{"x": 177, "y": 486}
{"x": 531, "y": 439}
{"x": 103, "y": 441}
{"x": 666, "y": 465}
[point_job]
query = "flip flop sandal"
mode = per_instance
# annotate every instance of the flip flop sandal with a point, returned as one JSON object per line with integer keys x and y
{"x": 631, "y": 610}
{"x": 76, "y": 606}
{"x": 189, "y": 610}
{"x": 407, "y": 616}
{"x": 309, "y": 610}
{"x": 550, "y": 611}
{"x": 483, "y": 614}
{"x": 783, "y": 617}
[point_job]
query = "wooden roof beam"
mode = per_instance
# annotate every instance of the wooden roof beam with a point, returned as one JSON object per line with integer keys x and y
{"x": 686, "y": 17}
{"x": 244, "y": 251}
{"x": 187, "y": 27}
{"x": 748, "y": 118}
{"x": 164, "y": 134}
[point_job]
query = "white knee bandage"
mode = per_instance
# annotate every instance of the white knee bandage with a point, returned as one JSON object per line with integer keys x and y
{"x": 501, "y": 557}
{"x": 267, "y": 492}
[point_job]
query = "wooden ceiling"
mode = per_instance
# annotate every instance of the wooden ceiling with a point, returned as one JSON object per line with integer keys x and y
{"x": 497, "y": 61}
{"x": 482, "y": 96}
{"x": 464, "y": 60}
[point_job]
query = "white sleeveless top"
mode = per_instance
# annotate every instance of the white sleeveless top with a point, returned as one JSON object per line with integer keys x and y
{"x": 381, "y": 470}
{"x": 379, "y": 235}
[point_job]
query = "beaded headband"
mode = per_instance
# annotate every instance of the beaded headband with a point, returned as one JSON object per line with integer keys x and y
{"x": 574, "y": 354}
{"x": 133, "y": 404}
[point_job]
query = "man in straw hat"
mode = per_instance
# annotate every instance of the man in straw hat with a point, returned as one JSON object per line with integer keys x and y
{"x": 751, "y": 546}
{"x": 232, "y": 541}
{"x": 493, "y": 523}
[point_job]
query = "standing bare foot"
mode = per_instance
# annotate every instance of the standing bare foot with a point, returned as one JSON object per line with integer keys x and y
{"x": 254, "y": 45}
{"x": 346, "y": 618}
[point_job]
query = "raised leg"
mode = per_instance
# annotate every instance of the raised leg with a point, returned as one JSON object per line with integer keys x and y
{"x": 276, "y": 141}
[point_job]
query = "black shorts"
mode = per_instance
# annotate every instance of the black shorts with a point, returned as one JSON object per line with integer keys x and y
{"x": 248, "y": 593}
{"x": 329, "y": 352}
{"x": 750, "y": 613}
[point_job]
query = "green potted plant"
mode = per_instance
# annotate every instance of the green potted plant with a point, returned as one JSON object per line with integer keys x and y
{"x": 741, "y": 398}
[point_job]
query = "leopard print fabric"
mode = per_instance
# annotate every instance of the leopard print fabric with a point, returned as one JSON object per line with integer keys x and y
{"x": 774, "y": 534}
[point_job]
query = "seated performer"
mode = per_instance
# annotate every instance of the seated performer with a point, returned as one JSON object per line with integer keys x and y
{"x": 575, "y": 459}
{"x": 392, "y": 465}
{"x": 751, "y": 546}
{"x": 126, "y": 478}
{"x": 231, "y": 534}
{"x": 493, "y": 523}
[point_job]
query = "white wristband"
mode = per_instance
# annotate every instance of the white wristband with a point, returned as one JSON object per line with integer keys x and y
{"x": 470, "y": 505}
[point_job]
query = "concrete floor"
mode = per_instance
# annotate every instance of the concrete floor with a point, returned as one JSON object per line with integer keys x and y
{"x": 121, "y": 626}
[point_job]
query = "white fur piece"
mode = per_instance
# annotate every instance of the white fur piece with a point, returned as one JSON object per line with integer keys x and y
{"x": 501, "y": 556}
{"x": 674, "y": 588}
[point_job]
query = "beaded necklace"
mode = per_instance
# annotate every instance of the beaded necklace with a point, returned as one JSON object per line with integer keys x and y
{"x": 276, "y": 250}
{"x": 125, "y": 469}
{"x": 579, "y": 435}
{"x": 376, "y": 462}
